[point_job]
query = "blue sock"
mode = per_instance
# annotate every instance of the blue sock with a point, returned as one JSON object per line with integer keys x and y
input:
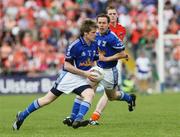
{"x": 83, "y": 110}
{"x": 125, "y": 97}
{"x": 75, "y": 109}
{"x": 32, "y": 107}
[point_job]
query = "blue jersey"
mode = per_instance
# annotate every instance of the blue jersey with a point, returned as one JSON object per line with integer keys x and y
{"x": 82, "y": 54}
{"x": 109, "y": 44}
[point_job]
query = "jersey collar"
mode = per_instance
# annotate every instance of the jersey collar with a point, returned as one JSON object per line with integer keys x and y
{"x": 83, "y": 41}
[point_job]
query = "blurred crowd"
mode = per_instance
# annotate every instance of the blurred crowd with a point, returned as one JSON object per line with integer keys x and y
{"x": 34, "y": 34}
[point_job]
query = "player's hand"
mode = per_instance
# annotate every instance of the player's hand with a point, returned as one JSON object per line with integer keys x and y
{"x": 92, "y": 77}
{"x": 102, "y": 57}
{"x": 126, "y": 57}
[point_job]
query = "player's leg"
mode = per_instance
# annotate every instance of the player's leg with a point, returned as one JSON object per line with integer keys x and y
{"x": 102, "y": 103}
{"x": 76, "y": 106}
{"x": 110, "y": 84}
{"x": 129, "y": 98}
{"x": 35, "y": 105}
{"x": 107, "y": 82}
{"x": 77, "y": 103}
{"x": 122, "y": 96}
{"x": 78, "y": 86}
{"x": 87, "y": 93}
{"x": 75, "y": 109}
{"x": 111, "y": 95}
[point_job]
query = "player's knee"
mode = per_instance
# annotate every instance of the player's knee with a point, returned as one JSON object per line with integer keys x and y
{"x": 88, "y": 93}
{"x": 88, "y": 96}
{"x": 91, "y": 94}
{"x": 110, "y": 98}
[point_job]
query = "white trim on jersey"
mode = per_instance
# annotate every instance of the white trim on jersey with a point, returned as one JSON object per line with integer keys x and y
{"x": 70, "y": 47}
{"x": 73, "y": 43}
{"x": 118, "y": 46}
{"x": 121, "y": 47}
{"x": 115, "y": 35}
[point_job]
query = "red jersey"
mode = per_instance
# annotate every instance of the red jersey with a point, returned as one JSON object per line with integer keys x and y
{"x": 119, "y": 30}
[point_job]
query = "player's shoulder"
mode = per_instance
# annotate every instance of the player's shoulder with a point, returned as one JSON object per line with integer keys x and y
{"x": 74, "y": 43}
{"x": 113, "y": 35}
{"x": 119, "y": 26}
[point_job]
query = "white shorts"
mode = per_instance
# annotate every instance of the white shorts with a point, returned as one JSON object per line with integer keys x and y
{"x": 110, "y": 80}
{"x": 119, "y": 68}
{"x": 67, "y": 82}
{"x": 143, "y": 76}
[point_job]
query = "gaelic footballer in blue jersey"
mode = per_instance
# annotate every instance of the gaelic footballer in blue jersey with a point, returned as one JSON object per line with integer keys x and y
{"x": 82, "y": 54}
{"x": 110, "y": 50}
{"x": 80, "y": 57}
{"x": 109, "y": 45}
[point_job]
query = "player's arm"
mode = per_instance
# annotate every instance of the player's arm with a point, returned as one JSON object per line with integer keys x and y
{"x": 69, "y": 62}
{"x": 117, "y": 44}
{"x": 121, "y": 55}
{"x": 68, "y": 65}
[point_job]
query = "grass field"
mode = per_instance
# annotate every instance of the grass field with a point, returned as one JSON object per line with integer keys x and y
{"x": 155, "y": 116}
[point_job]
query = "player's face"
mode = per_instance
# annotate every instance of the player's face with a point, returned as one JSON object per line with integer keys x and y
{"x": 91, "y": 35}
{"x": 103, "y": 24}
{"x": 113, "y": 15}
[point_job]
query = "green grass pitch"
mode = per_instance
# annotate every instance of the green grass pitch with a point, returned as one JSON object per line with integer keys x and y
{"x": 155, "y": 116}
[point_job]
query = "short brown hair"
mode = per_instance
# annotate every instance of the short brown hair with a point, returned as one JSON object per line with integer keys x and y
{"x": 103, "y": 15}
{"x": 87, "y": 26}
{"x": 110, "y": 8}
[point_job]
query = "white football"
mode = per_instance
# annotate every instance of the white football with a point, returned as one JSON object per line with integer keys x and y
{"x": 98, "y": 72}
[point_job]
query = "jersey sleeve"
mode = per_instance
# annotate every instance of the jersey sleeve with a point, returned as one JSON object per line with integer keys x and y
{"x": 71, "y": 52}
{"x": 117, "y": 43}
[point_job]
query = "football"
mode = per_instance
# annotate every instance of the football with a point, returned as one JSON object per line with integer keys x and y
{"x": 98, "y": 72}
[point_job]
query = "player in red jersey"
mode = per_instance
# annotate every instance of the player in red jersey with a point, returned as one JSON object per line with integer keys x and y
{"x": 120, "y": 31}
{"x": 116, "y": 27}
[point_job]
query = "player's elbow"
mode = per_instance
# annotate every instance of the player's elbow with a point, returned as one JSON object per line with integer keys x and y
{"x": 122, "y": 55}
{"x": 67, "y": 65}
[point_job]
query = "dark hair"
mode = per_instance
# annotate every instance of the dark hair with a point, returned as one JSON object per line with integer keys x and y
{"x": 87, "y": 26}
{"x": 103, "y": 15}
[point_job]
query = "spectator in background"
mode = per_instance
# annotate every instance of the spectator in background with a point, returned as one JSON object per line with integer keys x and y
{"x": 143, "y": 72}
{"x": 176, "y": 52}
{"x": 5, "y": 56}
{"x": 171, "y": 15}
{"x": 173, "y": 27}
{"x": 135, "y": 39}
{"x": 149, "y": 34}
